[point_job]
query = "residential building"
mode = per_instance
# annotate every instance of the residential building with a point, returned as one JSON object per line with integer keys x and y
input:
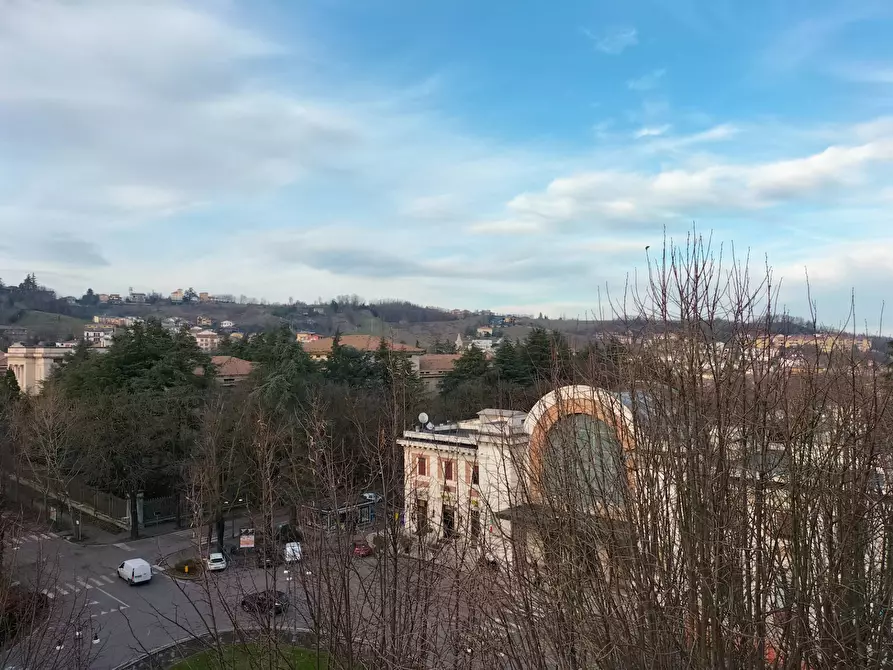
{"x": 32, "y": 365}
{"x": 306, "y": 336}
{"x": 177, "y": 296}
{"x": 321, "y": 348}
{"x": 227, "y": 324}
{"x": 103, "y": 298}
{"x": 100, "y": 334}
{"x": 2, "y": 363}
{"x": 229, "y": 370}
{"x": 484, "y": 331}
{"x": 204, "y": 321}
{"x": 485, "y": 345}
{"x": 433, "y": 367}
{"x": 138, "y": 298}
{"x": 119, "y": 321}
{"x": 204, "y": 296}
{"x": 236, "y": 336}
{"x": 115, "y": 299}
{"x": 207, "y": 340}
{"x": 71, "y": 300}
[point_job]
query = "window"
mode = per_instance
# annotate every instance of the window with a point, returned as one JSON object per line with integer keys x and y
{"x": 448, "y": 470}
{"x": 421, "y": 516}
{"x": 422, "y": 467}
{"x": 475, "y": 521}
{"x": 475, "y": 475}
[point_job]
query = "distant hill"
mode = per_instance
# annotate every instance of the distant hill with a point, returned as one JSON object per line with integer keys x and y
{"x": 49, "y": 318}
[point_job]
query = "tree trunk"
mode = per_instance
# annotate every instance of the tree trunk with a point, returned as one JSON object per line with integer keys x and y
{"x": 178, "y": 510}
{"x": 134, "y": 517}
{"x": 221, "y": 529}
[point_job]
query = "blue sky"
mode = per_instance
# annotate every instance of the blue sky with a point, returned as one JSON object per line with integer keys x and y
{"x": 503, "y": 155}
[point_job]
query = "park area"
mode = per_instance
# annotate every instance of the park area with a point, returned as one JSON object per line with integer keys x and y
{"x": 239, "y": 656}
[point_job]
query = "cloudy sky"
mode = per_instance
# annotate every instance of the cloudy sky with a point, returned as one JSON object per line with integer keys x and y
{"x": 465, "y": 153}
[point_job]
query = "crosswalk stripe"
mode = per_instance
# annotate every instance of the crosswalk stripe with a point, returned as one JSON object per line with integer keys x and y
{"x": 107, "y": 579}
{"x": 48, "y": 594}
{"x": 96, "y": 581}
{"x": 61, "y": 590}
{"x": 15, "y": 583}
{"x": 45, "y": 536}
{"x": 80, "y": 580}
{"x": 72, "y": 587}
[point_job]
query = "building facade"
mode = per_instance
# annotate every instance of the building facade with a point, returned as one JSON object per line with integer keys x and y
{"x": 207, "y": 340}
{"x": 32, "y": 365}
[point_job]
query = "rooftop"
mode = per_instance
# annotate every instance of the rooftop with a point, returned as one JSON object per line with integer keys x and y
{"x": 229, "y": 366}
{"x": 438, "y": 362}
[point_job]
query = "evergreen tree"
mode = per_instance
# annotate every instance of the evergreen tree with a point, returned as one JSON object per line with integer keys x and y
{"x": 471, "y": 365}
{"x": 9, "y": 388}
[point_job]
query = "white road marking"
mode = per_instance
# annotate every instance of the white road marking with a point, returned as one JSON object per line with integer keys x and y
{"x": 80, "y": 580}
{"x": 103, "y": 612}
{"x": 96, "y": 581}
{"x": 48, "y": 594}
{"x": 33, "y": 537}
{"x": 117, "y": 600}
{"x": 46, "y": 537}
{"x": 15, "y": 583}
{"x": 157, "y": 568}
{"x": 93, "y": 602}
{"x": 122, "y": 545}
{"x": 72, "y": 587}
{"x": 61, "y": 590}
{"x": 107, "y": 579}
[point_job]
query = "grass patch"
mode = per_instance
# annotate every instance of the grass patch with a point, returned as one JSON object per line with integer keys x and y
{"x": 238, "y": 656}
{"x": 46, "y": 324}
{"x": 189, "y": 568}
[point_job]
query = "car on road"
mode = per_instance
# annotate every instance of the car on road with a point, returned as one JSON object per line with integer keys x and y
{"x": 362, "y": 549}
{"x": 135, "y": 571}
{"x": 265, "y": 602}
{"x": 215, "y": 561}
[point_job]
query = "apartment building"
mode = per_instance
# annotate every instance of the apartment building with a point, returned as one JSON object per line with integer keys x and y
{"x": 320, "y": 349}
{"x": 207, "y": 340}
{"x": 100, "y": 334}
{"x": 433, "y": 368}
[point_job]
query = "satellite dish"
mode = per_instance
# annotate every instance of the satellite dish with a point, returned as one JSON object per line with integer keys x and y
{"x": 423, "y": 418}
{"x": 429, "y": 426}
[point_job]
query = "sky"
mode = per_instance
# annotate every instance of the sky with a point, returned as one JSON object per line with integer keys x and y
{"x": 497, "y": 155}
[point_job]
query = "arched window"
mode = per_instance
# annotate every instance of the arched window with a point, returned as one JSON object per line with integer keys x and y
{"x": 583, "y": 463}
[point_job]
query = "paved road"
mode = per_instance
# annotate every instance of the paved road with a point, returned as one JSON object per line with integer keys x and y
{"x": 87, "y": 595}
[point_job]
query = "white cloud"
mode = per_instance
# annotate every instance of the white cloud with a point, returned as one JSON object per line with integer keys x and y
{"x": 608, "y": 197}
{"x": 647, "y": 81}
{"x": 614, "y": 40}
{"x": 651, "y": 131}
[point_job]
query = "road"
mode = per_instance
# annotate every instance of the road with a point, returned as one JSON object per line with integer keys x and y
{"x": 89, "y": 602}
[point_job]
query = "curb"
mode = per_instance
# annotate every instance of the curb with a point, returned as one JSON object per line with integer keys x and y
{"x": 201, "y": 641}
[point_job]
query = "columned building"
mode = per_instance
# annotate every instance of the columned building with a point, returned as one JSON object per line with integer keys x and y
{"x": 32, "y": 365}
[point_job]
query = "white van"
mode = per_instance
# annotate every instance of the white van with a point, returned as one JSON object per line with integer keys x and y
{"x": 293, "y": 552}
{"x": 135, "y": 571}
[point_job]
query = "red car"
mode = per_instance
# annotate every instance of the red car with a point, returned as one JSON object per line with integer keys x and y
{"x": 362, "y": 549}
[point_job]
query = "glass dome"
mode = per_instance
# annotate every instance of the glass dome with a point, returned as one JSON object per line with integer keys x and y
{"x": 583, "y": 461}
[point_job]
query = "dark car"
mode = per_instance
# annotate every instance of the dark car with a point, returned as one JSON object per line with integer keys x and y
{"x": 263, "y": 602}
{"x": 362, "y": 549}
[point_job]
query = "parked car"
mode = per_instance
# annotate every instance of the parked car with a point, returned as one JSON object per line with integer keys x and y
{"x": 215, "y": 561}
{"x": 373, "y": 497}
{"x": 362, "y": 549}
{"x": 265, "y": 602}
{"x": 135, "y": 571}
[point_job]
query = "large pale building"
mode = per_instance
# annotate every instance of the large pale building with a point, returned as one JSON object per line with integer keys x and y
{"x": 32, "y": 365}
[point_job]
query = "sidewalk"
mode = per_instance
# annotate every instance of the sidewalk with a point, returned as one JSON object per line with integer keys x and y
{"x": 94, "y": 535}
